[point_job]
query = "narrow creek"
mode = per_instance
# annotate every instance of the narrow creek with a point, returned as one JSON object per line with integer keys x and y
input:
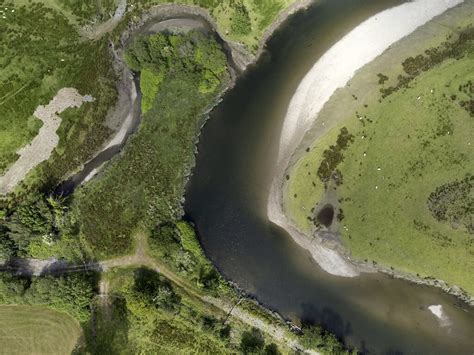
{"x": 227, "y": 199}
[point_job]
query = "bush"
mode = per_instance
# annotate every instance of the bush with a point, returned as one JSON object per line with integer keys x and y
{"x": 155, "y": 290}
{"x": 252, "y": 341}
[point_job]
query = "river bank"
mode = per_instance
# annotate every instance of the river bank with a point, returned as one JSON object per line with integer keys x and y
{"x": 329, "y": 113}
{"x": 124, "y": 117}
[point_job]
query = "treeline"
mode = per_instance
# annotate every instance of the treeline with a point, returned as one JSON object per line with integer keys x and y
{"x": 413, "y": 66}
{"x": 145, "y": 313}
{"x": 40, "y": 226}
{"x": 178, "y": 246}
{"x": 71, "y": 294}
{"x": 333, "y": 156}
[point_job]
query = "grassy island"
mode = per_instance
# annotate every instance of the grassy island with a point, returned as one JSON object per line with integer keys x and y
{"x": 399, "y": 170}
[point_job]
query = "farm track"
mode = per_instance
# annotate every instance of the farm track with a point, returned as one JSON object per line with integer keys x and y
{"x": 140, "y": 258}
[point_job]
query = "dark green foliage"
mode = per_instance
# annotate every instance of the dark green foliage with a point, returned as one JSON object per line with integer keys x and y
{"x": 271, "y": 349}
{"x": 413, "y": 66}
{"x": 155, "y": 290}
{"x": 146, "y": 184}
{"x": 209, "y": 278}
{"x": 333, "y": 156}
{"x": 192, "y": 53}
{"x": 71, "y": 294}
{"x": 36, "y": 219}
{"x": 252, "y": 341}
{"x": 88, "y": 10}
{"x": 107, "y": 332}
{"x": 172, "y": 245}
{"x": 12, "y": 288}
{"x": 382, "y": 78}
{"x": 454, "y": 203}
{"x": 316, "y": 338}
{"x": 224, "y": 332}
{"x": 468, "y": 89}
{"x": 240, "y": 19}
{"x": 8, "y": 247}
{"x": 52, "y": 57}
{"x": 32, "y": 218}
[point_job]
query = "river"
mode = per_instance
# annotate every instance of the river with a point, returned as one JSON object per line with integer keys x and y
{"x": 227, "y": 200}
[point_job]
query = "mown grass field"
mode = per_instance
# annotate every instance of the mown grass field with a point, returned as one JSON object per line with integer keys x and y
{"x": 36, "y": 330}
{"x": 405, "y": 147}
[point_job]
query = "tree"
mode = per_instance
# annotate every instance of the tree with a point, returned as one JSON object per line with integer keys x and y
{"x": 154, "y": 290}
{"x": 8, "y": 247}
{"x": 252, "y": 341}
{"x": 271, "y": 349}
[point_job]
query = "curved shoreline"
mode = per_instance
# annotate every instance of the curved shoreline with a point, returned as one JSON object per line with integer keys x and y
{"x": 127, "y": 106}
{"x": 330, "y": 72}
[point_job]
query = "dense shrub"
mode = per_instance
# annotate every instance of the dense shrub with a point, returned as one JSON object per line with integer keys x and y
{"x": 71, "y": 294}
{"x": 333, "y": 156}
{"x": 453, "y": 202}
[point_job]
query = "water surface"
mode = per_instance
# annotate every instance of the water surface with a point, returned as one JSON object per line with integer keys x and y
{"x": 227, "y": 200}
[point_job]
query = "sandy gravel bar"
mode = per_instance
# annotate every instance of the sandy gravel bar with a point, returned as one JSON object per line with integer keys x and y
{"x": 332, "y": 71}
{"x": 45, "y": 141}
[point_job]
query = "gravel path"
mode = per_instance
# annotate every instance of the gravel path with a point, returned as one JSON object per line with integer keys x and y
{"x": 45, "y": 141}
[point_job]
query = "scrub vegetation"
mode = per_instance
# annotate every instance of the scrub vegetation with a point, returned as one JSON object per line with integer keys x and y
{"x": 87, "y": 11}
{"x": 239, "y": 20}
{"x": 407, "y": 191}
{"x": 42, "y": 53}
{"x": 145, "y": 313}
{"x": 71, "y": 294}
{"x": 144, "y": 187}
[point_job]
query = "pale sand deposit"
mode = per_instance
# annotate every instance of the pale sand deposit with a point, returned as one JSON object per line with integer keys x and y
{"x": 439, "y": 313}
{"x": 332, "y": 71}
{"x": 45, "y": 141}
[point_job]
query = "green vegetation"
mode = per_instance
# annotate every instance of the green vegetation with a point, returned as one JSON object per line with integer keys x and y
{"x": 40, "y": 227}
{"x": 151, "y": 173}
{"x": 407, "y": 189}
{"x": 37, "y": 330}
{"x": 87, "y": 10}
{"x": 156, "y": 316}
{"x": 178, "y": 246}
{"x": 149, "y": 82}
{"x": 142, "y": 311}
{"x": 243, "y": 21}
{"x": 453, "y": 202}
{"x": 71, "y": 294}
{"x": 318, "y": 339}
{"x": 42, "y": 53}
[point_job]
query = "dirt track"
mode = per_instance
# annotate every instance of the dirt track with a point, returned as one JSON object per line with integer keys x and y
{"x": 45, "y": 141}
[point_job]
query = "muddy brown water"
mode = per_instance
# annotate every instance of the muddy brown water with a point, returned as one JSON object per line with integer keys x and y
{"x": 227, "y": 199}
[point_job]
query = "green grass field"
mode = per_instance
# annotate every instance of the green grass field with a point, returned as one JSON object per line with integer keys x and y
{"x": 415, "y": 141}
{"x": 36, "y": 330}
